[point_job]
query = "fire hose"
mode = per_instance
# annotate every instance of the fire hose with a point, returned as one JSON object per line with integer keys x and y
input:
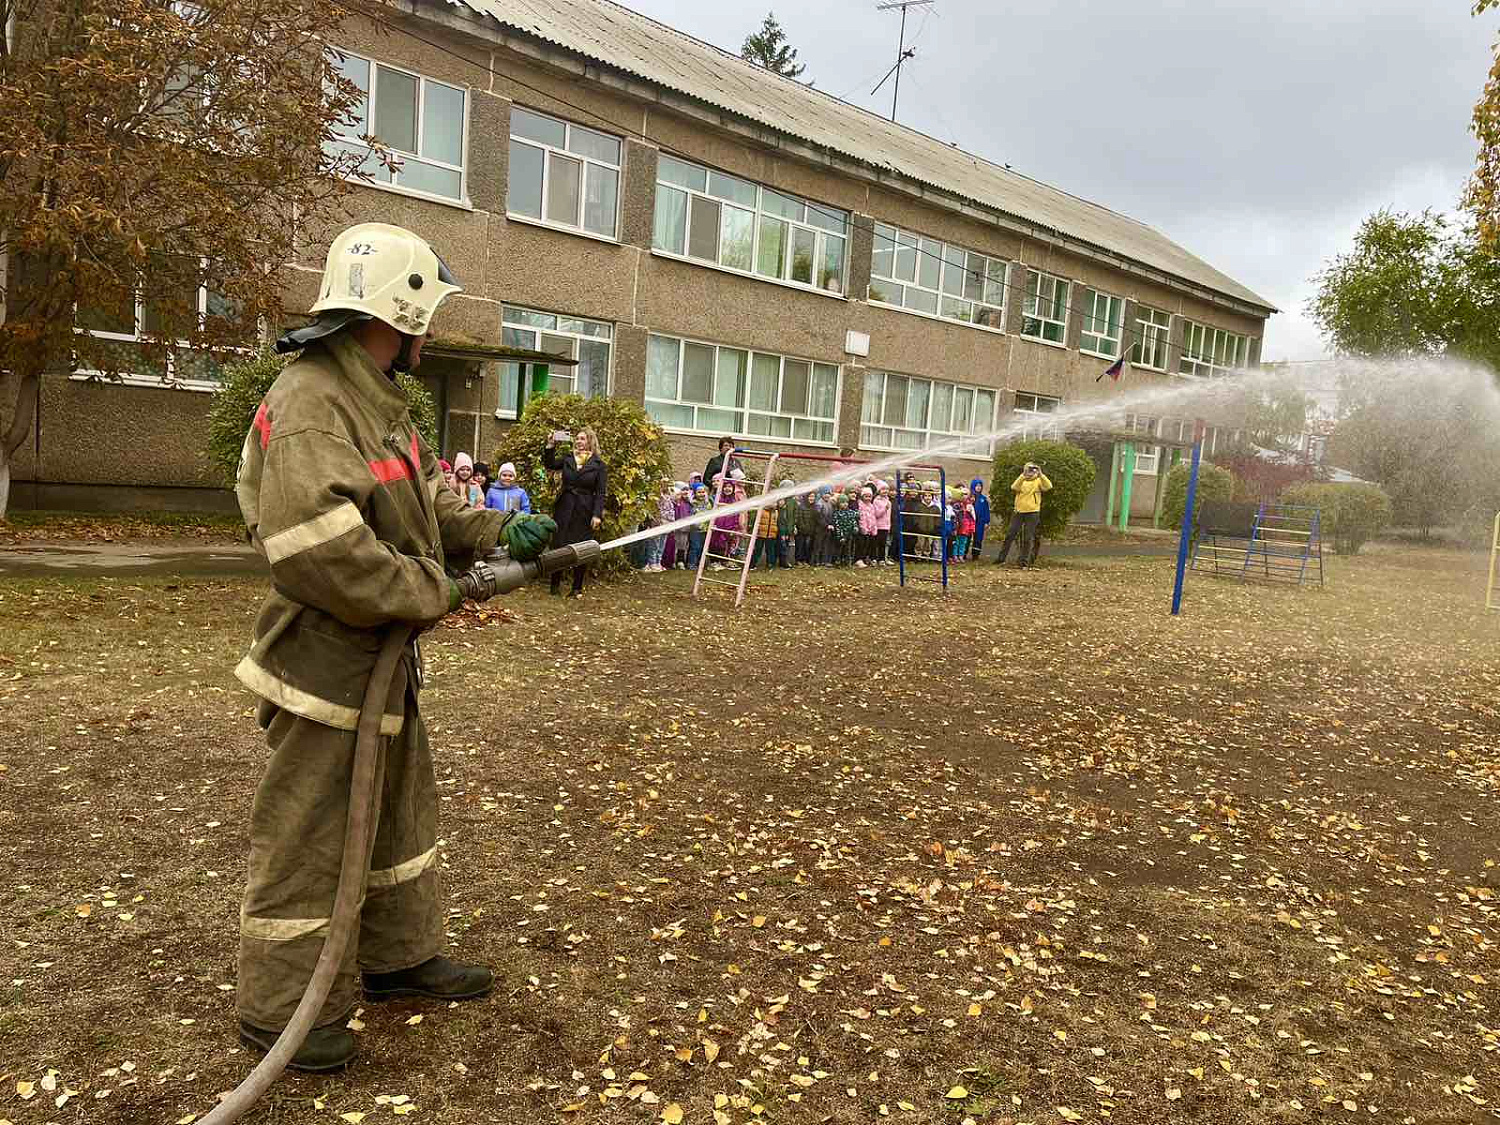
{"x": 367, "y": 780}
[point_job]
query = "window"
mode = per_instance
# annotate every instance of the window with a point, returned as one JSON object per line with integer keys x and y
{"x": 421, "y": 120}
{"x": 741, "y": 226}
{"x": 902, "y": 413}
{"x": 925, "y": 276}
{"x": 587, "y": 341}
{"x": 131, "y": 332}
{"x": 1046, "y": 309}
{"x": 1032, "y": 409}
{"x": 1147, "y": 460}
{"x": 1102, "y": 327}
{"x": 705, "y": 388}
{"x": 563, "y": 174}
{"x": 1211, "y": 351}
{"x": 1153, "y": 331}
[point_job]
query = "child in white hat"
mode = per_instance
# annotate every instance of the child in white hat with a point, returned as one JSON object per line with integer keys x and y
{"x": 505, "y": 495}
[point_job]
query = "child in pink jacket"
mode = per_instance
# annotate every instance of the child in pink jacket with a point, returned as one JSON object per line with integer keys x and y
{"x": 882, "y": 524}
{"x": 866, "y": 547}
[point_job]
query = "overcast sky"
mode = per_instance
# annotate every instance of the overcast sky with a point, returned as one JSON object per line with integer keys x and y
{"x": 1257, "y": 135}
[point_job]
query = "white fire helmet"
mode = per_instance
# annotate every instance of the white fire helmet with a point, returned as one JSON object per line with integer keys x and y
{"x": 387, "y": 273}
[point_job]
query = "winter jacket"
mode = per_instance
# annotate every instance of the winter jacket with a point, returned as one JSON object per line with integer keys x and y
{"x": 502, "y": 499}
{"x": 766, "y": 524}
{"x": 1029, "y": 492}
{"x": 808, "y": 518}
{"x": 845, "y": 524}
{"x": 786, "y": 518}
{"x": 867, "y": 517}
{"x": 981, "y": 505}
{"x": 581, "y": 498}
{"x": 882, "y": 513}
{"x": 348, "y": 506}
{"x": 666, "y": 507}
{"x": 716, "y": 466}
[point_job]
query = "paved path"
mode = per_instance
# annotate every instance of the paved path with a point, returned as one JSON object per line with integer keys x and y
{"x": 128, "y": 560}
{"x": 191, "y": 560}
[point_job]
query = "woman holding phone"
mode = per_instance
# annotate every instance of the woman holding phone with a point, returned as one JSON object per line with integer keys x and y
{"x": 580, "y": 501}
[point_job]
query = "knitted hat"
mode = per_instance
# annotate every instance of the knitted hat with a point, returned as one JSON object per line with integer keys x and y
{"x": 463, "y": 461}
{"x": 447, "y": 468}
{"x": 508, "y": 467}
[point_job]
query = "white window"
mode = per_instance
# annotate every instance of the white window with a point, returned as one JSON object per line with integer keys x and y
{"x": 131, "y": 335}
{"x": 741, "y": 226}
{"x": 708, "y": 389}
{"x": 1046, "y": 310}
{"x": 1153, "y": 331}
{"x": 1033, "y": 410}
{"x": 587, "y": 341}
{"x": 1211, "y": 351}
{"x": 926, "y": 276}
{"x": 423, "y": 122}
{"x": 901, "y": 413}
{"x": 1147, "y": 458}
{"x": 1102, "y": 324}
{"x": 563, "y": 174}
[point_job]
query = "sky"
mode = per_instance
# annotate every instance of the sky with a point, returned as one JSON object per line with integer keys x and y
{"x": 1256, "y": 135}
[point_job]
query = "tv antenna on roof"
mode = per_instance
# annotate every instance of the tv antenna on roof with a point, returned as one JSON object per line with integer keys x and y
{"x": 902, "y": 51}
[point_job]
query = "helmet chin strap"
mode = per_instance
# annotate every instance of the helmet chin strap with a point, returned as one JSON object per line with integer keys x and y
{"x": 401, "y": 365}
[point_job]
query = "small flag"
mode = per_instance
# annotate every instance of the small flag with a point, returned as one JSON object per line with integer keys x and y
{"x": 1114, "y": 370}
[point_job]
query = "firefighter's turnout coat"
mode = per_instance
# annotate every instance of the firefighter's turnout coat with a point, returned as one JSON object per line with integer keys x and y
{"x": 349, "y": 508}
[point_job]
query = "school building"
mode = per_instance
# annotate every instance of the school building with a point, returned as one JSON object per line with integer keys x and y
{"x": 738, "y": 252}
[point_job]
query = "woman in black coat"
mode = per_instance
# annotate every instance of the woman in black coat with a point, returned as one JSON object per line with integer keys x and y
{"x": 724, "y": 462}
{"x": 580, "y": 502}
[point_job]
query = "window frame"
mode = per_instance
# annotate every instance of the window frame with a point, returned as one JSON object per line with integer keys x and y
{"x": 1146, "y": 464}
{"x": 760, "y": 214}
{"x": 1159, "y": 334}
{"x": 941, "y": 292}
{"x": 1209, "y": 340}
{"x": 462, "y": 199}
{"x": 1091, "y": 297}
{"x": 1044, "y": 431}
{"x": 508, "y": 413}
{"x": 168, "y": 379}
{"x": 1030, "y": 308}
{"x": 926, "y": 434}
{"x": 744, "y": 410}
{"x": 547, "y": 150}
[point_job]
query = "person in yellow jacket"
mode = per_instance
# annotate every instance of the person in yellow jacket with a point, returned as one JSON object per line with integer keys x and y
{"x": 348, "y": 506}
{"x": 1028, "y": 488}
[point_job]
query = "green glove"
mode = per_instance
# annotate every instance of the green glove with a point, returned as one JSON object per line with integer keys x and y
{"x": 527, "y": 536}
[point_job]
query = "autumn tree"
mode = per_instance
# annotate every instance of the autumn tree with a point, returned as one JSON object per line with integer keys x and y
{"x": 153, "y": 156}
{"x": 1482, "y": 196}
{"x": 768, "y": 48}
{"x": 1412, "y": 285}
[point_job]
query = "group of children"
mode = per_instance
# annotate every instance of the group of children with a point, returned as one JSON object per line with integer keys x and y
{"x": 471, "y": 480}
{"x": 834, "y": 525}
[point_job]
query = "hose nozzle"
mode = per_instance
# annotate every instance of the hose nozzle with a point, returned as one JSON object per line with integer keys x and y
{"x": 511, "y": 575}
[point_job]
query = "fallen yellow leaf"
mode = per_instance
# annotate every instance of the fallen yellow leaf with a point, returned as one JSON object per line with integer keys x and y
{"x": 672, "y": 1115}
{"x": 958, "y": 1094}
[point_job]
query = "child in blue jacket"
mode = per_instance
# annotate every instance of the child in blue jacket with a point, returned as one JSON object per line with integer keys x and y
{"x": 981, "y": 516}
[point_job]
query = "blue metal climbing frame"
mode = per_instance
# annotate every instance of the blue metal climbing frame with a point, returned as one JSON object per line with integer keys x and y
{"x": 920, "y": 533}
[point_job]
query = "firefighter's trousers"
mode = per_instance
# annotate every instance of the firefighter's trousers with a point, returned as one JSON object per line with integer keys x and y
{"x": 296, "y": 846}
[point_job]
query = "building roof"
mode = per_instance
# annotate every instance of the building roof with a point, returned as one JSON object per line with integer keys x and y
{"x": 615, "y": 36}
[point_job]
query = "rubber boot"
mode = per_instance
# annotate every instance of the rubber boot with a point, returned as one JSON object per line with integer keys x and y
{"x": 436, "y": 977}
{"x": 325, "y": 1048}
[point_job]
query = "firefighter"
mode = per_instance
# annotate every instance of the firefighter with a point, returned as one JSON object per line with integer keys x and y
{"x": 347, "y": 504}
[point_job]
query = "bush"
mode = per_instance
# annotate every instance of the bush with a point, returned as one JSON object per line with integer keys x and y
{"x": 1070, "y": 469}
{"x": 1256, "y": 478}
{"x": 243, "y": 386}
{"x": 633, "y": 450}
{"x": 1476, "y": 527}
{"x": 1348, "y": 514}
{"x": 1214, "y": 483}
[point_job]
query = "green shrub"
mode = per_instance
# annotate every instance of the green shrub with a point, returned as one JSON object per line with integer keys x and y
{"x": 1349, "y": 515}
{"x": 243, "y": 386}
{"x": 632, "y": 447}
{"x": 1214, "y": 483}
{"x": 1070, "y": 469}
